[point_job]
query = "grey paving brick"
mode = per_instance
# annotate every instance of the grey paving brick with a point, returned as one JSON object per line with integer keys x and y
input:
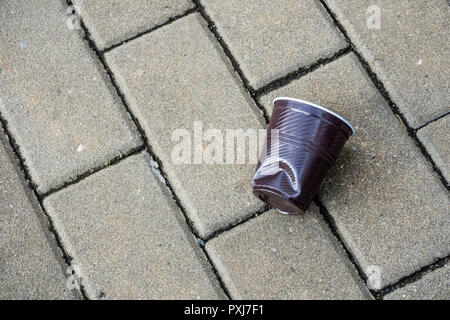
{"x": 269, "y": 38}
{"x": 110, "y": 22}
{"x": 436, "y": 139}
{"x": 171, "y": 78}
{"x": 127, "y": 238}
{"x": 29, "y": 267}
{"x": 389, "y": 206}
{"x": 432, "y": 286}
{"x": 409, "y": 53}
{"x": 274, "y": 256}
{"x": 55, "y": 95}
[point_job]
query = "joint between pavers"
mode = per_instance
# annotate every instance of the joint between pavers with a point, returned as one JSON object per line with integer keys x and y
{"x": 379, "y": 293}
{"x": 238, "y": 222}
{"x": 231, "y": 58}
{"x": 169, "y": 21}
{"x": 92, "y": 171}
{"x": 385, "y": 94}
{"x": 26, "y": 175}
{"x": 297, "y": 74}
{"x": 434, "y": 120}
{"x": 329, "y": 220}
{"x": 439, "y": 263}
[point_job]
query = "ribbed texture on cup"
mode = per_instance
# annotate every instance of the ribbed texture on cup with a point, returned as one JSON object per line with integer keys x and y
{"x": 309, "y": 142}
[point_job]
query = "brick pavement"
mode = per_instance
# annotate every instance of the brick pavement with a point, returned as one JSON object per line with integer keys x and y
{"x": 86, "y": 152}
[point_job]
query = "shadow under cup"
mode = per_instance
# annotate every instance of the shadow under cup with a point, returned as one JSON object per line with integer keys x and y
{"x": 303, "y": 142}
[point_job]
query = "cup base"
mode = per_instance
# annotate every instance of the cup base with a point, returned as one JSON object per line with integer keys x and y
{"x": 282, "y": 205}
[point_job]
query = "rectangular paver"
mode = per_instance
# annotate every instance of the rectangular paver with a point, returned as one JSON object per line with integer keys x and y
{"x": 171, "y": 78}
{"x": 127, "y": 238}
{"x": 110, "y": 22}
{"x": 410, "y": 52}
{"x": 389, "y": 206}
{"x": 55, "y": 95}
{"x": 29, "y": 267}
{"x": 269, "y": 38}
{"x": 436, "y": 139}
{"x": 432, "y": 286}
{"x": 274, "y": 256}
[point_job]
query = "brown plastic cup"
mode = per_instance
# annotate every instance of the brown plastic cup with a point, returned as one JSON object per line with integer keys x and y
{"x": 303, "y": 142}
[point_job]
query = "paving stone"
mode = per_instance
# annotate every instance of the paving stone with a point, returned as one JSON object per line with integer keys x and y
{"x": 432, "y": 286}
{"x": 436, "y": 139}
{"x": 110, "y": 22}
{"x": 171, "y": 78}
{"x": 389, "y": 206}
{"x": 275, "y": 256}
{"x": 29, "y": 267}
{"x": 127, "y": 238}
{"x": 269, "y": 38}
{"x": 409, "y": 53}
{"x": 56, "y": 97}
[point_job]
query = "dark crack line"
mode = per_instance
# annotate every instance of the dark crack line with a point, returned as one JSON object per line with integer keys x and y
{"x": 231, "y": 58}
{"x": 169, "y": 21}
{"x": 334, "y": 230}
{"x": 439, "y": 263}
{"x": 412, "y": 133}
{"x": 90, "y": 172}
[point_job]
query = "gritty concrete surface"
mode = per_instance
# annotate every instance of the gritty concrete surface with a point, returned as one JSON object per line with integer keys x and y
{"x": 272, "y": 38}
{"x": 432, "y": 286}
{"x": 410, "y": 52}
{"x": 29, "y": 267}
{"x": 57, "y": 100}
{"x": 127, "y": 238}
{"x": 172, "y": 78}
{"x": 436, "y": 139}
{"x": 272, "y": 257}
{"x": 388, "y": 204}
{"x": 111, "y": 22}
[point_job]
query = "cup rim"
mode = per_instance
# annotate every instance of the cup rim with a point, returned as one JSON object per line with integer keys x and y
{"x": 319, "y": 107}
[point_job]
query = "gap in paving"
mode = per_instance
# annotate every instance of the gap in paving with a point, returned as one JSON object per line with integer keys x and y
{"x": 329, "y": 220}
{"x": 281, "y": 82}
{"x": 169, "y": 21}
{"x": 90, "y": 172}
{"x": 381, "y": 88}
{"x": 236, "y": 223}
{"x": 100, "y": 56}
{"x": 229, "y": 55}
{"x": 439, "y": 263}
{"x": 23, "y": 168}
{"x": 379, "y": 293}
